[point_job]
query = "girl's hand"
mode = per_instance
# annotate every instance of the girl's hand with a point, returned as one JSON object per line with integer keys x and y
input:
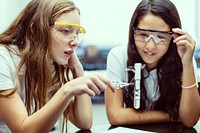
{"x": 185, "y": 45}
{"x": 74, "y": 61}
{"x": 91, "y": 85}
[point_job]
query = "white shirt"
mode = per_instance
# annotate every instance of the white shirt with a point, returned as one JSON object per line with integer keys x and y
{"x": 8, "y": 65}
{"x": 116, "y": 65}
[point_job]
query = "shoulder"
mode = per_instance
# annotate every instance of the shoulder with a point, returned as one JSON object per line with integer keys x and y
{"x": 12, "y": 49}
{"x": 119, "y": 52}
{"x": 10, "y": 52}
{"x": 9, "y": 58}
{"x": 116, "y": 63}
{"x": 119, "y": 49}
{"x": 7, "y": 69}
{"x": 4, "y": 53}
{"x": 3, "y": 50}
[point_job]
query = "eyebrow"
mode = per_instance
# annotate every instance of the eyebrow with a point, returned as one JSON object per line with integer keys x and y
{"x": 160, "y": 31}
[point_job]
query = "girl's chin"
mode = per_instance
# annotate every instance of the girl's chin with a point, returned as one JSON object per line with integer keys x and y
{"x": 63, "y": 63}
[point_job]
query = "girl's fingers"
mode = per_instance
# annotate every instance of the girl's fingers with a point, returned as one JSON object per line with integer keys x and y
{"x": 89, "y": 92}
{"x": 179, "y": 31}
{"x": 108, "y": 82}
{"x": 92, "y": 86}
{"x": 182, "y": 37}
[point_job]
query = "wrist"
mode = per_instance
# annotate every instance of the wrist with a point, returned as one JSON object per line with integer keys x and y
{"x": 188, "y": 70}
{"x": 188, "y": 65}
{"x": 68, "y": 93}
{"x": 77, "y": 71}
{"x": 65, "y": 94}
{"x": 189, "y": 86}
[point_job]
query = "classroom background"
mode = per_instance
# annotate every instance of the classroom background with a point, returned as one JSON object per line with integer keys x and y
{"x": 107, "y": 23}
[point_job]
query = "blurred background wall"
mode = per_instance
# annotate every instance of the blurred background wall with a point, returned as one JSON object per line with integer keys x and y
{"x": 108, "y": 20}
{"x": 9, "y": 9}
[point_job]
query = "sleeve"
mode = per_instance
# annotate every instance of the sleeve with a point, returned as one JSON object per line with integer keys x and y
{"x": 6, "y": 75}
{"x": 116, "y": 63}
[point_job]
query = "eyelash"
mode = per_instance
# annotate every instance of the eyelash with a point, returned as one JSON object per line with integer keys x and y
{"x": 65, "y": 31}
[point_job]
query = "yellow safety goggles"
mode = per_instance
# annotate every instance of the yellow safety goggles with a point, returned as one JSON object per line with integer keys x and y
{"x": 82, "y": 29}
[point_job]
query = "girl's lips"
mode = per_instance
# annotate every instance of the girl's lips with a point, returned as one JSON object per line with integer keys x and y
{"x": 149, "y": 53}
{"x": 68, "y": 53}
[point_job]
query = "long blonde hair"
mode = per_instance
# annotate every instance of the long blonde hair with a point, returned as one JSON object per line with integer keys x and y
{"x": 30, "y": 32}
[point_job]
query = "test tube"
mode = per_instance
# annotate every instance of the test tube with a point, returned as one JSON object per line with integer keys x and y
{"x": 138, "y": 68}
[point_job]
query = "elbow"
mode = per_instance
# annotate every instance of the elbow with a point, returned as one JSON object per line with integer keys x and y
{"x": 113, "y": 119}
{"x": 83, "y": 122}
{"x": 85, "y": 125}
{"x": 189, "y": 118}
{"x": 190, "y": 122}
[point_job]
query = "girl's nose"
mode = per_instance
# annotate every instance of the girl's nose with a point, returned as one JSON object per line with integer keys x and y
{"x": 74, "y": 41}
{"x": 150, "y": 44}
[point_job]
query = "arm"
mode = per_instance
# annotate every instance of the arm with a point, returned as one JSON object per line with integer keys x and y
{"x": 13, "y": 112}
{"x": 119, "y": 115}
{"x": 81, "y": 113}
{"x": 189, "y": 110}
{"x": 12, "y": 109}
{"x": 116, "y": 112}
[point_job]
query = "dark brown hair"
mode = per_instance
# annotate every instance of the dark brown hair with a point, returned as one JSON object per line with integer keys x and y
{"x": 169, "y": 68}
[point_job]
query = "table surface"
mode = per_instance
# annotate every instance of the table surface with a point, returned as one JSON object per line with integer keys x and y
{"x": 157, "y": 127}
